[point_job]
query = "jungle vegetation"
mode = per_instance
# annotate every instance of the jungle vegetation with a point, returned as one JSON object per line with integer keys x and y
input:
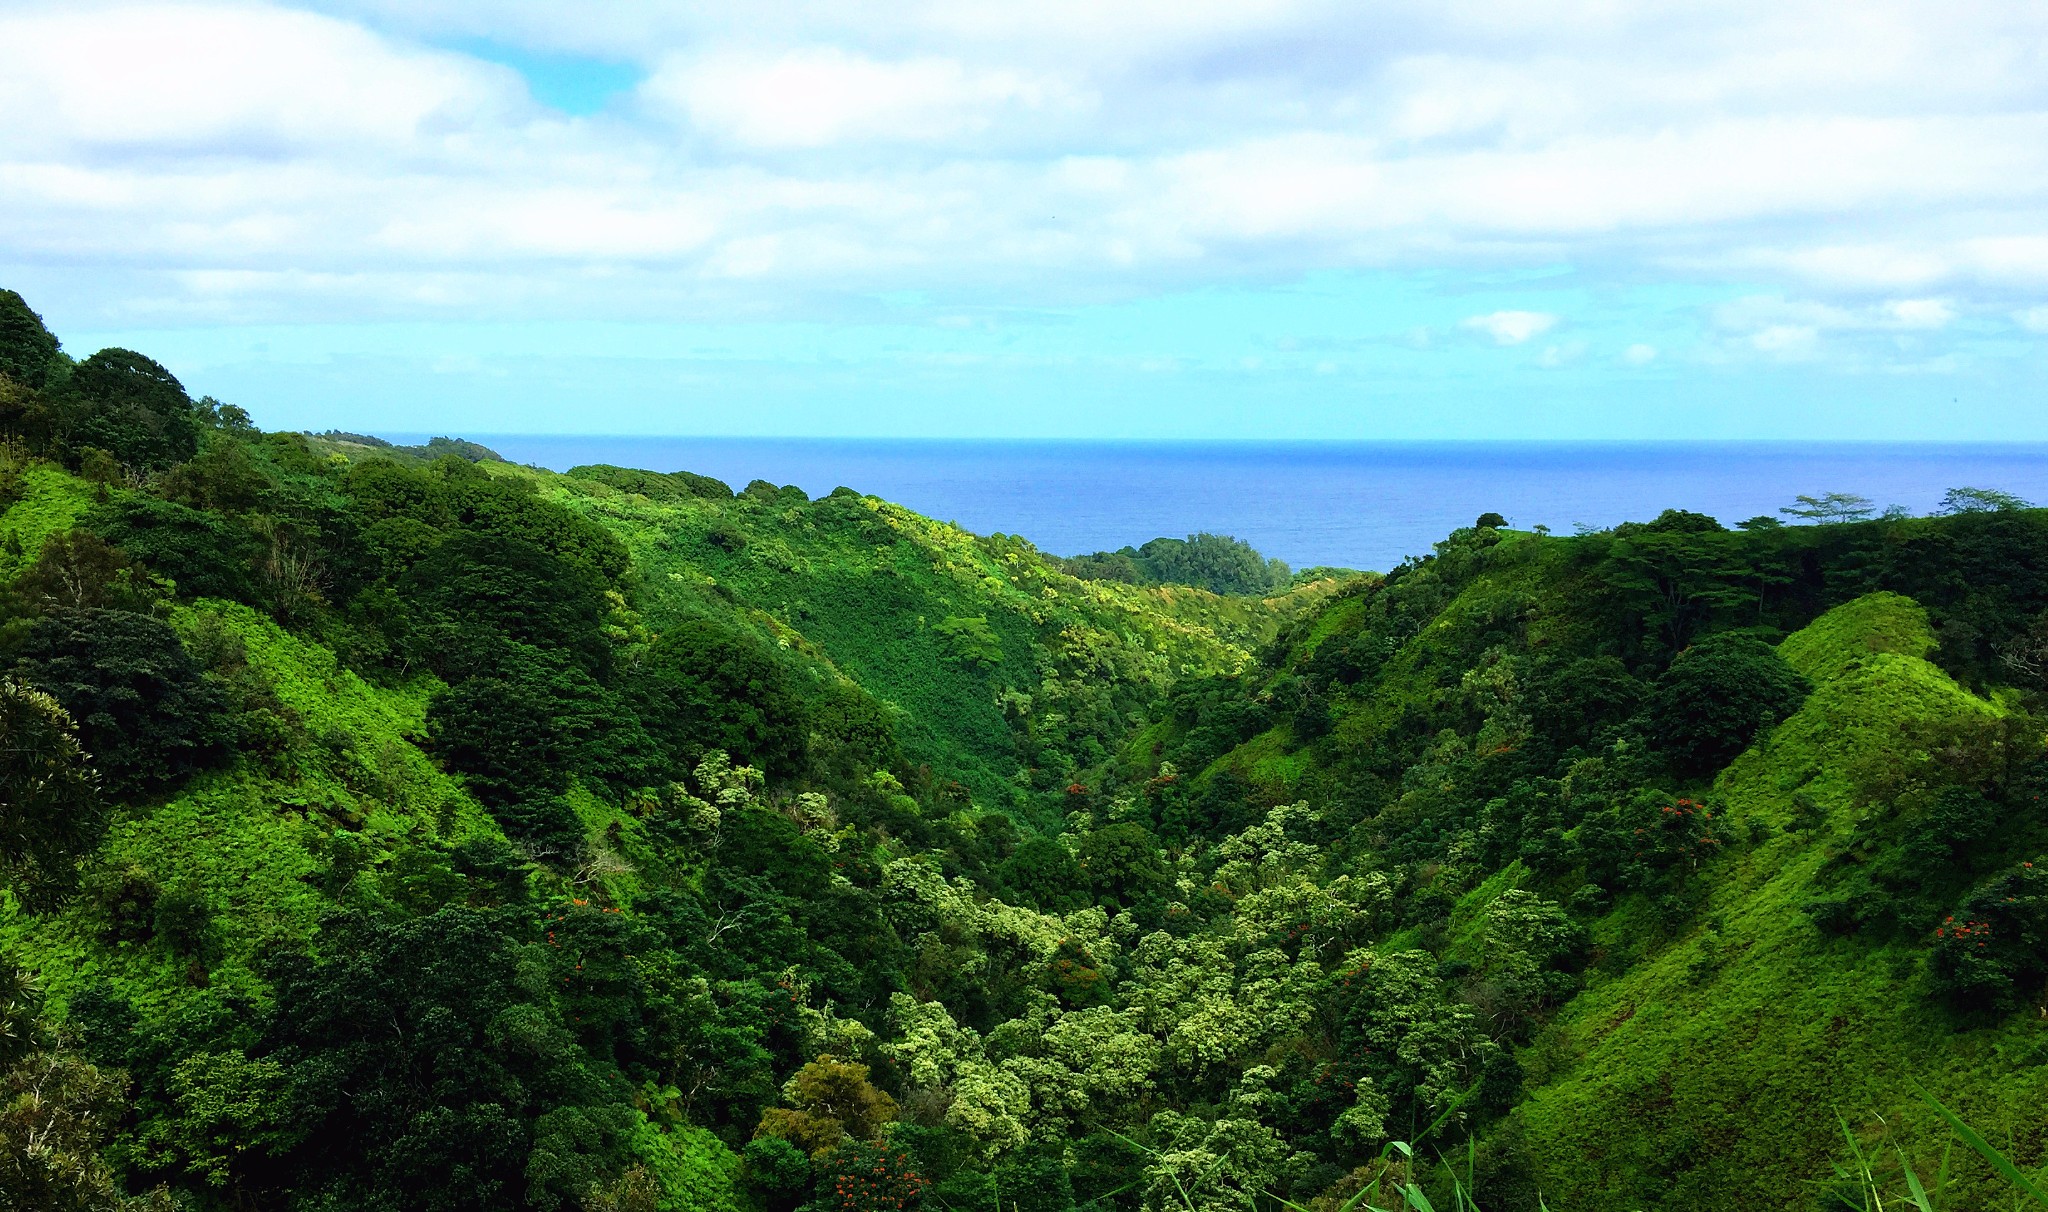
{"x": 399, "y": 828}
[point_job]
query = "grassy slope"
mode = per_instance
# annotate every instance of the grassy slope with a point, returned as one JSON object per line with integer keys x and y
{"x": 243, "y": 840}
{"x": 1710, "y": 1073}
{"x": 867, "y": 584}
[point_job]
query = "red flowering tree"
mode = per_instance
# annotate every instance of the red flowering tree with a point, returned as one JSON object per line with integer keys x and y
{"x": 1634, "y": 844}
{"x": 1992, "y": 951}
{"x": 863, "y": 1177}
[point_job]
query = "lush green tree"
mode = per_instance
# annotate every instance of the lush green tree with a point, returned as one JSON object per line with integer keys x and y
{"x": 146, "y": 714}
{"x": 777, "y": 1172}
{"x": 384, "y": 489}
{"x": 524, "y": 723}
{"x": 21, "y": 1025}
{"x": 1045, "y": 875}
{"x": 1673, "y": 521}
{"x": 202, "y": 552}
{"x": 655, "y": 485}
{"x": 1646, "y": 838}
{"x": 27, "y": 349}
{"x": 25, "y": 418}
{"x": 1215, "y": 562}
{"x": 223, "y": 476}
{"x": 831, "y": 1103}
{"x": 1410, "y": 1033}
{"x": 78, "y": 569}
{"x": 1532, "y": 948}
{"x": 1123, "y": 862}
{"x": 1716, "y": 696}
{"x": 129, "y": 405}
{"x": 705, "y": 686}
{"x": 969, "y": 641}
{"x": 50, "y": 813}
{"x": 1979, "y": 500}
{"x": 430, "y": 1076}
{"x": 1572, "y": 702}
{"x": 455, "y": 494}
{"x": 475, "y": 587}
{"x": 1830, "y": 507}
{"x": 57, "y": 1113}
{"x": 223, "y": 1106}
{"x": 478, "y": 501}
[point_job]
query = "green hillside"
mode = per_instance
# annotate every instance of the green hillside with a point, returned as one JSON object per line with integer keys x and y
{"x": 396, "y": 828}
{"x": 999, "y": 669}
{"x": 1753, "y": 947}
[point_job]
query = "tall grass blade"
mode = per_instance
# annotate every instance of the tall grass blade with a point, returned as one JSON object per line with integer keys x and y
{"x": 1983, "y": 1147}
{"x": 1917, "y": 1192}
{"x": 1866, "y": 1183}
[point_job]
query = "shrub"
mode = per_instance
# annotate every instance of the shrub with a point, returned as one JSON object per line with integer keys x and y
{"x": 1992, "y": 951}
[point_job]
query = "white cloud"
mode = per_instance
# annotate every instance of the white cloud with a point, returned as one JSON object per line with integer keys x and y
{"x": 1639, "y": 354}
{"x": 234, "y": 79}
{"x": 1512, "y": 327}
{"x": 1785, "y": 339}
{"x": 1866, "y": 336}
{"x": 790, "y": 150}
{"x": 818, "y": 96}
{"x": 1920, "y": 313}
{"x": 2033, "y": 319}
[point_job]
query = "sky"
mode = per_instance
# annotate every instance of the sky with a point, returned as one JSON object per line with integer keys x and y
{"x": 1064, "y": 218}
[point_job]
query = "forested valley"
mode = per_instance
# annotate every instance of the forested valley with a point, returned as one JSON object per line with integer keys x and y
{"x": 397, "y": 828}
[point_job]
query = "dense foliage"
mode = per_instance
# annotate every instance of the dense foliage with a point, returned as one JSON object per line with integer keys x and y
{"x": 399, "y": 828}
{"x": 1217, "y": 563}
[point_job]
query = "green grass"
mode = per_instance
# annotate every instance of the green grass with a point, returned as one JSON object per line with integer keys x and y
{"x": 242, "y": 840}
{"x": 52, "y": 501}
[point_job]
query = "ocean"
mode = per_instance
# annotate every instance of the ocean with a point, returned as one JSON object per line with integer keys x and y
{"x": 1349, "y": 504}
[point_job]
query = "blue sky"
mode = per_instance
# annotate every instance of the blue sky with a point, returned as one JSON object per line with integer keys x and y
{"x": 1260, "y": 218}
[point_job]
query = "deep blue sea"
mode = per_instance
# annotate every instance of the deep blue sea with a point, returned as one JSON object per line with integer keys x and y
{"x": 1351, "y": 504}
